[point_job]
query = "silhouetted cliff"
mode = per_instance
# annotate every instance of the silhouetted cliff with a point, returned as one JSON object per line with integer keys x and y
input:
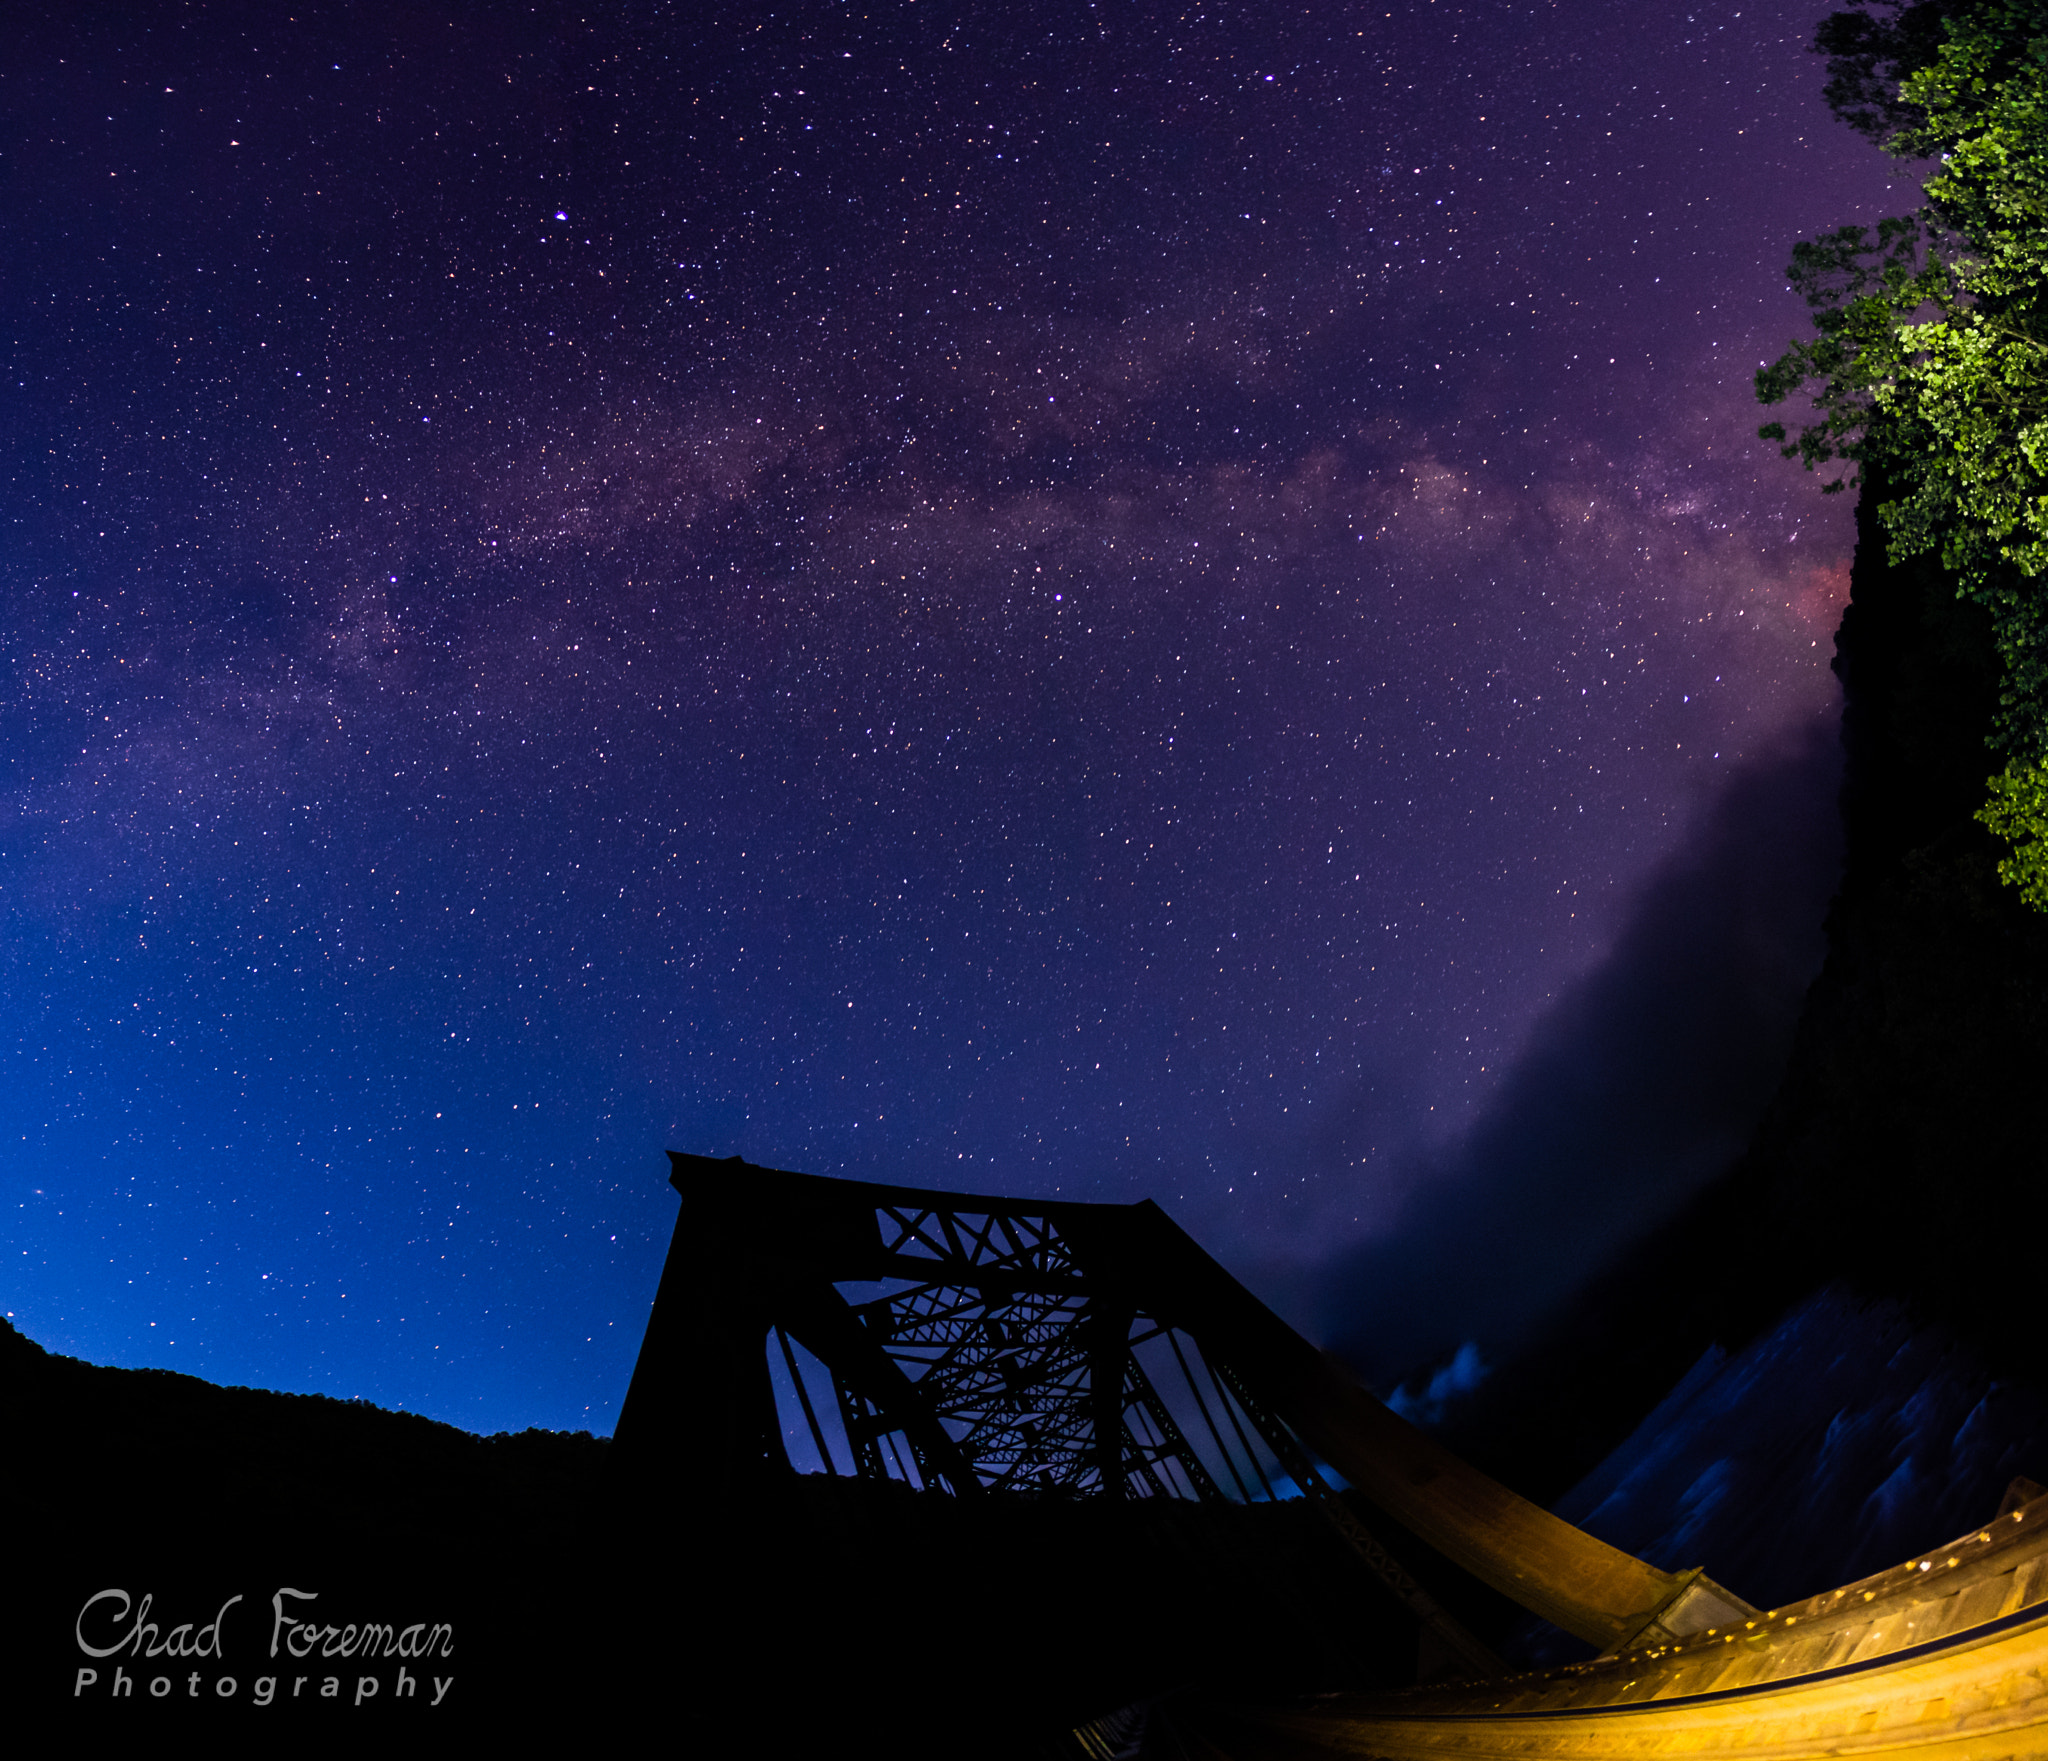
{"x": 1902, "y": 1156}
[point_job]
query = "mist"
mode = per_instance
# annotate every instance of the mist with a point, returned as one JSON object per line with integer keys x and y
{"x": 1640, "y": 1085}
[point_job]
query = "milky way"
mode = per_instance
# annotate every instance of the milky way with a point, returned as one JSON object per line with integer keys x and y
{"x": 1060, "y": 598}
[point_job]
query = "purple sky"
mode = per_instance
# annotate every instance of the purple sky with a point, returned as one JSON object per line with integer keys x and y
{"x": 1078, "y": 598}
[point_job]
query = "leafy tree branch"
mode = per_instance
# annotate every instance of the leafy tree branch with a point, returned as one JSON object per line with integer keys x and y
{"x": 1929, "y": 359}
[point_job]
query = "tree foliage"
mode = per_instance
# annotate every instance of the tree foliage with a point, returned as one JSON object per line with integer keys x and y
{"x": 1929, "y": 359}
{"x": 2018, "y": 812}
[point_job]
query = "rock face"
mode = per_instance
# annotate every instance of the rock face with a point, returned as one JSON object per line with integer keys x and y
{"x": 1904, "y": 1159}
{"x": 1835, "y": 1444}
{"x": 1906, "y": 1150}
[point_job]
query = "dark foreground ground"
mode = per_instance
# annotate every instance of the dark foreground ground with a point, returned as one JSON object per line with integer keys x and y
{"x": 814, "y": 1617}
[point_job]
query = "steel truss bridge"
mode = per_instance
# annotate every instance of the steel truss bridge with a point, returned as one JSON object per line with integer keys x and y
{"x": 993, "y": 1348}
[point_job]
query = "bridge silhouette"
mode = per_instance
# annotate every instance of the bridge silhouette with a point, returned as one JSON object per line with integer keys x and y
{"x": 991, "y": 1351}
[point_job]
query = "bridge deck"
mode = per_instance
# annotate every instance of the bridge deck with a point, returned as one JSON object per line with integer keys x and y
{"x": 1943, "y": 1656}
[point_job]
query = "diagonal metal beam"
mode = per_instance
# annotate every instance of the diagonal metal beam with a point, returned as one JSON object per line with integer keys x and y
{"x": 824, "y": 1323}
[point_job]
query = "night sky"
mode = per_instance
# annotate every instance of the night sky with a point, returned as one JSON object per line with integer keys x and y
{"x": 1065, "y": 598}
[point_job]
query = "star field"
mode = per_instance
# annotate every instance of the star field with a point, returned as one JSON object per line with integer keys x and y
{"x": 1071, "y": 598}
